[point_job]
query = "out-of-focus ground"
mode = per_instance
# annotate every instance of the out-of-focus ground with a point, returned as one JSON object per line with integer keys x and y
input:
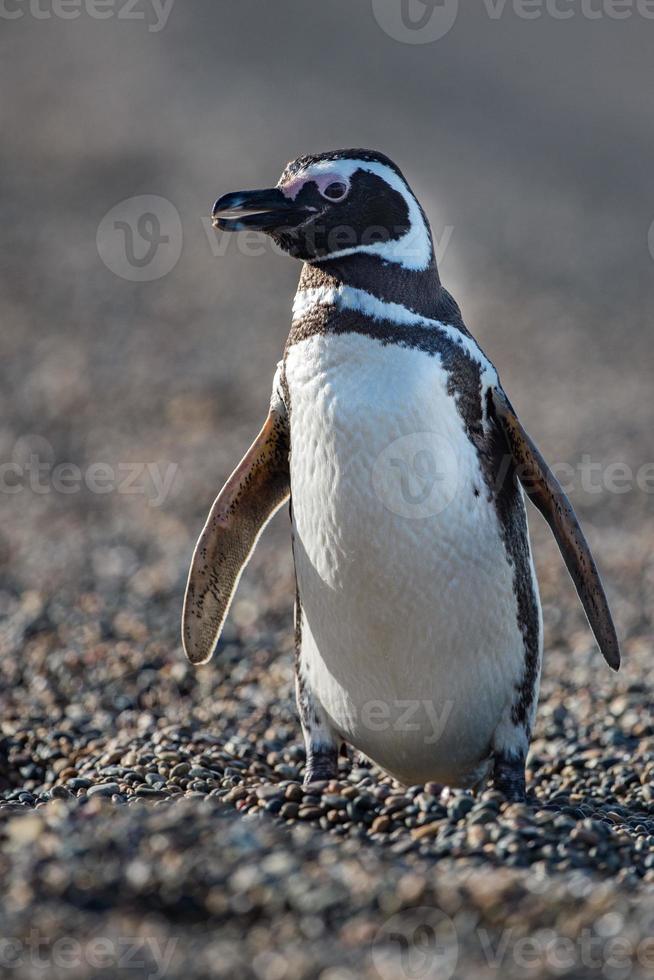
{"x": 530, "y": 145}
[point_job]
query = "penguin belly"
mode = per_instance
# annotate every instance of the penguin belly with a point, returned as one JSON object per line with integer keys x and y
{"x": 410, "y": 642}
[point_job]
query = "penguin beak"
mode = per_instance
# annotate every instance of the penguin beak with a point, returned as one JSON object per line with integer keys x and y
{"x": 264, "y": 210}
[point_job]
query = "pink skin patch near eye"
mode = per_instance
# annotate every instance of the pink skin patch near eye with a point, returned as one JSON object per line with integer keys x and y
{"x": 291, "y": 188}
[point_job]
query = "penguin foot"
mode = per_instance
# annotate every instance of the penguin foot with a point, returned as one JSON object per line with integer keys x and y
{"x": 509, "y": 778}
{"x": 322, "y": 764}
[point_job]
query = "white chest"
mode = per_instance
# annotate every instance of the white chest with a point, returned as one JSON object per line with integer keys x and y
{"x": 406, "y": 590}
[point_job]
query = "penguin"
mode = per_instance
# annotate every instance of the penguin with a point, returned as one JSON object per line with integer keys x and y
{"x": 418, "y": 625}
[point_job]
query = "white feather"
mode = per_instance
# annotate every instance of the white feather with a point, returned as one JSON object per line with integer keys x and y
{"x": 410, "y": 638}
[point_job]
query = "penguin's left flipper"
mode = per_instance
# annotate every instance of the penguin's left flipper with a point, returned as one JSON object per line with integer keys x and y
{"x": 254, "y": 492}
{"x": 545, "y": 491}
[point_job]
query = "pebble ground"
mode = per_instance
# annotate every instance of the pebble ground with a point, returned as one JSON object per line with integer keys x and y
{"x": 161, "y": 809}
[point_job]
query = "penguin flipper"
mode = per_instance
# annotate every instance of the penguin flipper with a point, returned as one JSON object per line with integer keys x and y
{"x": 253, "y": 493}
{"x": 545, "y": 491}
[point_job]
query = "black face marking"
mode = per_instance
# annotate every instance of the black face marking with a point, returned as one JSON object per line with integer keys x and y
{"x": 369, "y": 213}
{"x": 347, "y": 211}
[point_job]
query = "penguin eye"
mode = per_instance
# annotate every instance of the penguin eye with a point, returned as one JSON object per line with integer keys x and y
{"x": 335, "y": 191}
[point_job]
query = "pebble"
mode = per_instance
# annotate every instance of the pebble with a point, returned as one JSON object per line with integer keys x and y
{"x": 135, "y": 791}
{"x": 310, "y": 812}
{"x": 181, "y": 769}
{"x": 103, "y": 789}
{"x": 79, "y": 782}
{"x": 148, "y": 792}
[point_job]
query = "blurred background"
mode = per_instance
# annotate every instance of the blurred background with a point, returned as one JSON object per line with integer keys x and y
{"x": 137, "y": 346}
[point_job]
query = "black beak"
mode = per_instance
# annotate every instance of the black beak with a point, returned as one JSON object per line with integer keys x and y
{"x": 257, "y": 211}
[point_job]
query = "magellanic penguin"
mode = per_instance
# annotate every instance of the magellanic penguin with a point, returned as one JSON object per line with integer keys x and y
{"x": 418, "y": 620}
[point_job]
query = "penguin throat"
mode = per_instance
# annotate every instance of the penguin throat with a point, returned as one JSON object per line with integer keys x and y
{"x": 419, "y": 291}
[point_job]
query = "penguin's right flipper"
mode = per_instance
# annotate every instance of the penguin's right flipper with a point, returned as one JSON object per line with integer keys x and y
{"x": 545, "y": 491}
{"x": 254, "y": 492}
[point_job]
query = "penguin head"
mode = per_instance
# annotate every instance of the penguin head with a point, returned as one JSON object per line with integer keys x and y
{"x": 336, "y": 204}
